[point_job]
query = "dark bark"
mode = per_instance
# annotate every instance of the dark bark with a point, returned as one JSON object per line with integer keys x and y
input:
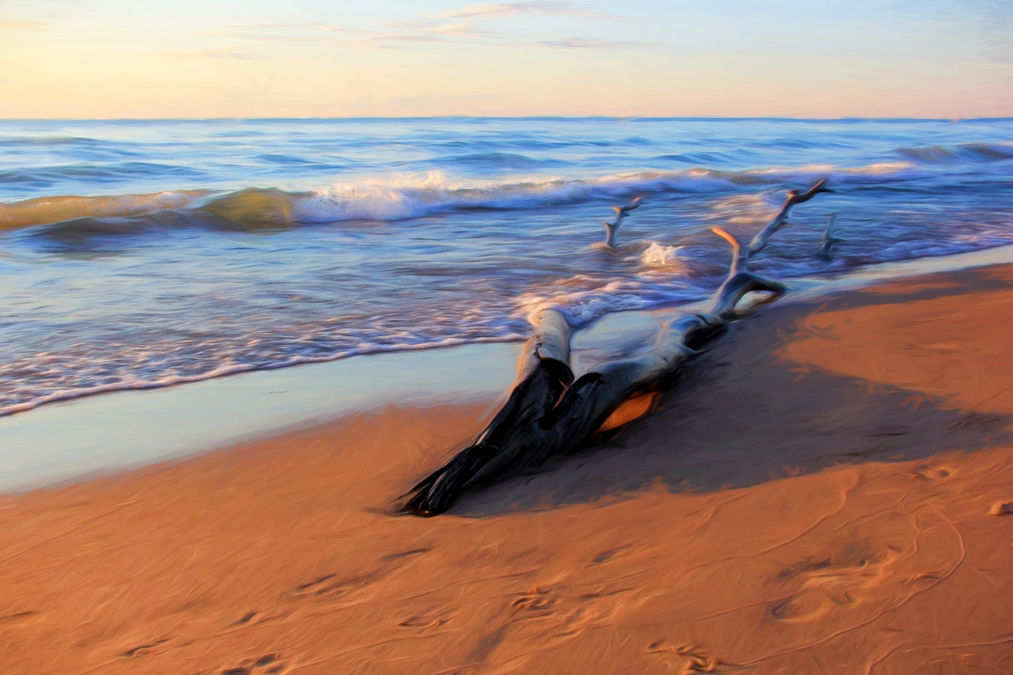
{"x": 546, "y": 416}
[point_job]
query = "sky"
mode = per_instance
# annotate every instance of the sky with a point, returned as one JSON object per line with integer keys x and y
{"x": 337, "y": 58}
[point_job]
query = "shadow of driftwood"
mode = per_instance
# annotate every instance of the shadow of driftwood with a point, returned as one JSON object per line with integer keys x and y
{"x": 742, "y": 415}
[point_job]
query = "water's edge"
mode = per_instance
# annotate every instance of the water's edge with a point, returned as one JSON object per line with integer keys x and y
{"x": 126, "y": 429}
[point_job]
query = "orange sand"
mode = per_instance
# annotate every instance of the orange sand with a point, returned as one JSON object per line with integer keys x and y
{"x": 827, "y": 491}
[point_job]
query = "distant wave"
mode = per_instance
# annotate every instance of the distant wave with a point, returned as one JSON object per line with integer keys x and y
{"x": 44, "y": 141}
{"x": 413, "y": 196}
{"x": 494, "y": 161}
{"x": 973, "y": 152}
{"x": 58, "y": 209}
{"x": 44, "y": 176}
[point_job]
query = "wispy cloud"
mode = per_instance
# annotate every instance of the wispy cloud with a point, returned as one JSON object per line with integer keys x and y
{"x": 419, "y": 31}
{"x": 22, "y": 24}
{"x": 502, "y": 9}
{"x": 222, "y": 54}
{"x": 451, "y": 27}
{"x": 408, "y": 38}
{"x": 458, "y": 29}
{"x": 581, "y": 43}
{"x": 333, "y": 28}
{"x": 273, "y": 37}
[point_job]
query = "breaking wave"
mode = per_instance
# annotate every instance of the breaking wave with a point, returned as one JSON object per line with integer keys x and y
{"x": 414, "y": 196}
{"x": 513, "y": 213}
{"x": 58, "y": 209}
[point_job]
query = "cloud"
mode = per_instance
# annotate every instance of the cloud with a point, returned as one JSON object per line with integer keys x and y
{"x": 344, "y": 30}
{"x": 229, "y": 53}
{"x": 455, "y": 27}
{"x": 223, "y": 54}
{"x": 416, "y": 30}
{"x": 22, "y": 24}
{"x": 407, "y": 38}
{"x": 459, "y": 29}
{"x": 501, "y": 9}
{"x": 581, "y": 43}
{"x": 274, "y": 38}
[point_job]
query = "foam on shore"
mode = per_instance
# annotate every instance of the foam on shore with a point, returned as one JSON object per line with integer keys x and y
{"x": 66, "y": 439}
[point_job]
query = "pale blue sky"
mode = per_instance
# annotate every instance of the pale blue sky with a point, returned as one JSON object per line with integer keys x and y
{"x": 190, "y": 58}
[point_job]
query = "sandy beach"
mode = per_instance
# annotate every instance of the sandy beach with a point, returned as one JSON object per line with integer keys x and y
{"x": 828, "y": 490}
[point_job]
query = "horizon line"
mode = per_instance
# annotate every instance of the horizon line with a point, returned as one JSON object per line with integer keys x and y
{"x": 647, "y": 118}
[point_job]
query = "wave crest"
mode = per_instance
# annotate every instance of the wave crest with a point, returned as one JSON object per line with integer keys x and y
{"x": 973, "y": 152}
{"x": 413, "y": 196}
{"x": 45, "y": 210}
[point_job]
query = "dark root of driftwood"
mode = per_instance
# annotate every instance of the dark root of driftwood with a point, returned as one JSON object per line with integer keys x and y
{"x": 546, "y": 416}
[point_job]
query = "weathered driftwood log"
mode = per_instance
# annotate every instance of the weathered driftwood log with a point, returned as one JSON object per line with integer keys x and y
{"x": 546, "y": 416}
{"x": 621, "y": 212}
{"x": 829, "y": 239}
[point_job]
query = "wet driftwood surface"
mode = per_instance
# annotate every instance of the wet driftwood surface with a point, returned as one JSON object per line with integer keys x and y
{"x": 548, "y": 414}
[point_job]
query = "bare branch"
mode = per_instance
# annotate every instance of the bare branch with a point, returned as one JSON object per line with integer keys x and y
{"x": 546, "y": 416}
{"x": 760, "y": 240}
{"x": 828, "y": 241}
{"x": 738, "y": 255}
{"x": 621, "y": 212}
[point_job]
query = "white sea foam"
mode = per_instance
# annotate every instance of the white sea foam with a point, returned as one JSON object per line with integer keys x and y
{"x": 659, "y": 256}
{"x": 403, "y": 196}
{"x": 411, "y": 196}
{"x": 232, "y": 368}
{"x": 583, "y": 299}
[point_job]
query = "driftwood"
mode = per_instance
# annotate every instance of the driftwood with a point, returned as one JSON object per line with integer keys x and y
{"x": 611, "y": 229}
{"x": 548, "y": 414}
{"x": 829, "y": 239}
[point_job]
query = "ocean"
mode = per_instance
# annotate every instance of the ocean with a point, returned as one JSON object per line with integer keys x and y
{"x": 138, "y": 254}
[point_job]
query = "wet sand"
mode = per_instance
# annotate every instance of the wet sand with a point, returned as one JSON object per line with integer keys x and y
{"x": 826, "y": 491}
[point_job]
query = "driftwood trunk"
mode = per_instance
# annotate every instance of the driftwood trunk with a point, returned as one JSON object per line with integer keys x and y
{"x": 549, "y": 415}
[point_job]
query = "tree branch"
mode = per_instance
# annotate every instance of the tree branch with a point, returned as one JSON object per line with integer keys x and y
{"x": 546, "y": 416}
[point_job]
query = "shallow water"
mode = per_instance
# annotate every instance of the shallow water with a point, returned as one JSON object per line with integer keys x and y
{"x": 142, "y": 253}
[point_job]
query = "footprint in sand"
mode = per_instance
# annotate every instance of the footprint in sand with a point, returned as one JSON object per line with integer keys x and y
{"x": 269, "y": 664}
{"x": 429, "y": 619}
{"x": 825, "y": 583}
{"x": 1001, "y": 509}
{"x": 146, "y": 648}
{"x": 19, "y": 617}
{"x": 536, "y": 601}
{"x": 932, "y": 472}
{"x": 606, "y": 556}
{"x": 692, "y": 659}
{"x": 543, "y": 618}
{"x": 329, "y": 585}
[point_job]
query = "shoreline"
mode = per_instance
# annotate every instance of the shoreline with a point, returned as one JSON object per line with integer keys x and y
{"x": 825, "y": 491}
{"x": 98, "y": 434}
{"x": 93, "y": 435}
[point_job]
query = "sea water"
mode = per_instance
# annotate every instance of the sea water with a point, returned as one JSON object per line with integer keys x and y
{"x": 137, "y": 254}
